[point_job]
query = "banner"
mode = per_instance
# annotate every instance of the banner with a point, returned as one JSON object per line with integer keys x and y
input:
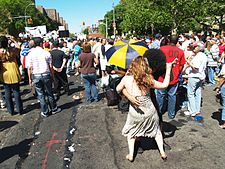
{"x": 37, "y": 31}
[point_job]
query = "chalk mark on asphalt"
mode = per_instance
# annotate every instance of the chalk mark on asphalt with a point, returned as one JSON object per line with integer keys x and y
{"x": 49, "y": 146}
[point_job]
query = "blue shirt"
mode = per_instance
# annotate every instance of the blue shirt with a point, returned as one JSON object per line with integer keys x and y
{"x": 155, "y": 44}
{"x": 77, "y": 51}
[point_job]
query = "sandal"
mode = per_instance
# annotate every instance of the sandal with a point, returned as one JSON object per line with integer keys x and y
{"x": 129, "y": 158}
{"x": 222, "y": 126}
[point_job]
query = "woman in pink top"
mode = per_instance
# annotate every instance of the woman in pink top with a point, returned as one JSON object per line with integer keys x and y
{"x": 142, "y": 119}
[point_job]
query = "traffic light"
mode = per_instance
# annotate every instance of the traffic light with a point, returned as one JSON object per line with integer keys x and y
{"x": 30, "y": 21}
{"x": 83, "y": 23}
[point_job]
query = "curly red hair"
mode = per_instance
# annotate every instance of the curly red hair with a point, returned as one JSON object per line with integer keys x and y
{"x": 142, "y": 73}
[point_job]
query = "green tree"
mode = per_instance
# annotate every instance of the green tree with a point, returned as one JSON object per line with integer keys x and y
{"x": 168, "y": 16}
{"x": 144, "y": 17}
{"x": 4, "y": 18}
{"x": 85, "y": 31}
{"x": 9, "y": 10}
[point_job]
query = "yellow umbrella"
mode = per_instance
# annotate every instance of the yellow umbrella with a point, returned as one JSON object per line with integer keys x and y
{"x": 123, "y": 52}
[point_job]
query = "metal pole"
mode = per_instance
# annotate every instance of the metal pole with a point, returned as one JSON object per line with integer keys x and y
{"x": 106, "y": 27}
{"x": 114, "y": 21}
{"x": 26, "y": 12}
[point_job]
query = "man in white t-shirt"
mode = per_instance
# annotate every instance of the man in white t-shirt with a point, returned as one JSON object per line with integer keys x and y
{"x": 40, "y": 74}
{"x": 195, "y": 78}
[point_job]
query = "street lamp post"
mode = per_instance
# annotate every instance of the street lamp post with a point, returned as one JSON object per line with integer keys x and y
{"x": 26, "y": 12}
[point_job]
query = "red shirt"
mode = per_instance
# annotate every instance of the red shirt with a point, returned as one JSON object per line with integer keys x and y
{"x": 171, "y": 53}
{"x": 222, "y": 49}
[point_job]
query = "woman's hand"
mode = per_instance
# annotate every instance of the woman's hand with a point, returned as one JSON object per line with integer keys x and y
{"x": 171, "y": 64}
{"x": 134, "y": 100}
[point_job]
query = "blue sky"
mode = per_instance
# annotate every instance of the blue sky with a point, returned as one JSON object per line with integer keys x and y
{"x": 77, "y": 11}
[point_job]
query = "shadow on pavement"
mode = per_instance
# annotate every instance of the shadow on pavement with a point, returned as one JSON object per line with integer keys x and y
{"x": 217, "y": 116}
{"x": 169, "y": 129}
{"x": 29, "y": 99}
{"x": 144, "y": 144}
{"x": 76, "y": 89}
{"x": 21, "y": 149}
{"x": 31, "y": 107}
{"x": 7, "y": 124}
{"x": 70, "y": 104}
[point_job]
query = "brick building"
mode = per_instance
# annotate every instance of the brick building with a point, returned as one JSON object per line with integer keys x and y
{"x": 53, "y": 15}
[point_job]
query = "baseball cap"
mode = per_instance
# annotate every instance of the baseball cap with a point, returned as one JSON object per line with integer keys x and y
{"x": 200, "y": 45}
{"x": 46, "y": 44}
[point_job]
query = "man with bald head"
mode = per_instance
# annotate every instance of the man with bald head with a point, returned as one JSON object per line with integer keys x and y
{"x": 171, "y": 52}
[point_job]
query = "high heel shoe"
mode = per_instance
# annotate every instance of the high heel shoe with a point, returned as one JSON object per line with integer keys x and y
{"x": 129, "y": 158}
{"x": 163, "y": 157}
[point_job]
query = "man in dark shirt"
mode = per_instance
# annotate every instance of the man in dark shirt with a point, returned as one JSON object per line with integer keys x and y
{"x": 59, "y": 66}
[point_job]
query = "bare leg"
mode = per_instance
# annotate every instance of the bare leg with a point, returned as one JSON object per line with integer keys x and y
{"x": 159, "y": 141}
{"x": 131, "y": 142}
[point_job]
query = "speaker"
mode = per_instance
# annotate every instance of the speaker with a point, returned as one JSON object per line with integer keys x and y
{"x": 63, "y": 34}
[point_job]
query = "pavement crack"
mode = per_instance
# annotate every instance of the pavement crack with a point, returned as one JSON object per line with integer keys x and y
{"x": 69, "y": 146}
{"x": 111, "y": 138}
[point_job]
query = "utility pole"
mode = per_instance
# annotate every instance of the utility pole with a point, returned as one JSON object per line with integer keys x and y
{"x": 106, "y": 27}
{"x": 114, "y": 21}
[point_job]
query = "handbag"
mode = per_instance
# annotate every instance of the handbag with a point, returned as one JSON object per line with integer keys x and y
{"x": 111, "y": 94}
{"x": 112, "y": 97}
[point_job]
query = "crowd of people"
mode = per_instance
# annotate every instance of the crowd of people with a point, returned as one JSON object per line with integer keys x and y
{"x": 151, "y": 83}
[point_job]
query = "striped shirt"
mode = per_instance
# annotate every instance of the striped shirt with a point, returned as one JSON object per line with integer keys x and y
{"x": 39, "y": 60}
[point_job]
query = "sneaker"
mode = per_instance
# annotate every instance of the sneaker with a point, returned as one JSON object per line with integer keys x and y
{"x": 187, "y": 113}
{"x": 44, "y": 115}
{"x": 57, "y": 110}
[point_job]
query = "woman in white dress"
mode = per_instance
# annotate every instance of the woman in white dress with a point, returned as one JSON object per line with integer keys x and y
{"x": 142, "y": 119}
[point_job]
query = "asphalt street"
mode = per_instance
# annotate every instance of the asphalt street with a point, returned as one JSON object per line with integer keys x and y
{"x": 88, "y": 136}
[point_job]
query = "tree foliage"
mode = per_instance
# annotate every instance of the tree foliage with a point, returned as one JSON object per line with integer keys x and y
{"x": 167, "y": 16}
{"x": 10, "y": 9}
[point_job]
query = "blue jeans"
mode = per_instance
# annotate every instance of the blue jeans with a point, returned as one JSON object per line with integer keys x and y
{"x": 194, "y": 95}
{"x": 161, "y": 98}
{"x": 43, "y": 87}
{"x": 211, "y": 74}
{"x": 2, "y": 93}
{"x": 15, "y": 88}
{"x": 68, "y": 65}
{"x": 90, "y": 86}
{"x": 222, "y": 90}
